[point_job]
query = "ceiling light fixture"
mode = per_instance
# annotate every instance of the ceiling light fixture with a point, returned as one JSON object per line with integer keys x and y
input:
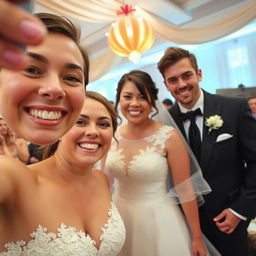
{"x": 130, "y": 35}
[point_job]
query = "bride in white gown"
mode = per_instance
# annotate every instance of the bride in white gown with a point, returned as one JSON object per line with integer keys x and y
{"x": 62, "y": 206}
{"x": 140, "y": 162}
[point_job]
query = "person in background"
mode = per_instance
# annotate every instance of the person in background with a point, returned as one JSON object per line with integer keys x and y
{"x": 4, "y": 150}
{"x": 42, "y": 101}
{"x": 222, "y": 134}
{"x": 62, "y": 205}
{"x": 35, "y": 153}
{"x": 10, "y": 145}
{"x": 167, "y": 103}
{"x": 18, "y": 146}
{"x": 252, "y": 105}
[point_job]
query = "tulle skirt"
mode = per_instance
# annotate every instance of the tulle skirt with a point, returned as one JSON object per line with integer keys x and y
{"x": 155, "y": 227}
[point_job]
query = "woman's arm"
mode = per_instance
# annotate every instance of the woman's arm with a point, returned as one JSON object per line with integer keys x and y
{"x": 7, "y": 180}
{"x": 179, "y": 165}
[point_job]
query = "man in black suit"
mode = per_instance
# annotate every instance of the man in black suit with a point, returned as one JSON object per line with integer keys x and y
{"x": 222, "y": 134}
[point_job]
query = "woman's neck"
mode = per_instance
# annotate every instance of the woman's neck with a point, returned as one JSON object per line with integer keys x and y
{"x": 138, "y": 131}
{"x": 63, "y": 171}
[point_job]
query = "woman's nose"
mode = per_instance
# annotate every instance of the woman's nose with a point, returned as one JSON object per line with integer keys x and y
{"x": 91, "y": 131}
{"x": 52, "y": 89}
{"x": 134, "y": 101}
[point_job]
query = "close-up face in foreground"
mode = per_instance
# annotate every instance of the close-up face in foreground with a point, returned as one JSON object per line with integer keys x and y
{"x": 90, "y": 138}
{"x": 43, "y": 101}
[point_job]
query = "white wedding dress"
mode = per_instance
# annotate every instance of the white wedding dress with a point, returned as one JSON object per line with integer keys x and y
{"x": 154, "y": 223}
{"x": 70, "y": 242}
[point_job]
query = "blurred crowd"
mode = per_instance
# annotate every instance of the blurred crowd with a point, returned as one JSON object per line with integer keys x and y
{"x": 16, "y": 147}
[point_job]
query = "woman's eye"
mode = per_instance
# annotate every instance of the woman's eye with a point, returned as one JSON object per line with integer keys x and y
{"x": 127, "y": 96}
{"x": 80, "y": 122}
{"x": 33, "y": 70}
{"x": 73, "y": 79}
{"x": 105, "y": 124}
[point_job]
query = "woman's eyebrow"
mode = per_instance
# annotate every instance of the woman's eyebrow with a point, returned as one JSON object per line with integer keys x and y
{"x": 37, "y": 56}
{"x": 100, "y": 118}
{"x": 41, "y": 58}
{"x": 74, "y": 66}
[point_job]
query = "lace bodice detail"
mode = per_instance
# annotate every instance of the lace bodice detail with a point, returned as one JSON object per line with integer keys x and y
{"x": 70, "y": 242}
{"x": 143, "y": 161}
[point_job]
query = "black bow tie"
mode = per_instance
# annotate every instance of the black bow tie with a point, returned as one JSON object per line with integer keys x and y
{"x": 190, "y": 114}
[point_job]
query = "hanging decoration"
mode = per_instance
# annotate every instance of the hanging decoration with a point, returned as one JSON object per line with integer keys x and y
{"x": 130, "y": 35}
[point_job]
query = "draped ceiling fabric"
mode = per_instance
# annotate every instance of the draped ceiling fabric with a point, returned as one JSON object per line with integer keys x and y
{"x": 104, "y": 11}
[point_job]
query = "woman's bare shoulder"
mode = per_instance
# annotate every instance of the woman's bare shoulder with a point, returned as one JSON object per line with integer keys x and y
{"x": 175, "y": 141}
{"x": 16, "y": 170}
{"x": 102, "y": 185}
{"x": 14, "y": 176}
{"x": 100, "y": 177}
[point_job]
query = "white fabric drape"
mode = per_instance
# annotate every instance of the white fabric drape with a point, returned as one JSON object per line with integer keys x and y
{"x": 102, "y": 64}
{"x": 205, "y": 33}
{"x": 87, "y": 10}
{"x": 104, "y": 11}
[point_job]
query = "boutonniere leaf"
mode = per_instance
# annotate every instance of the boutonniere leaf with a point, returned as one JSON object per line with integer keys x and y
{"x": 213, "y": 122}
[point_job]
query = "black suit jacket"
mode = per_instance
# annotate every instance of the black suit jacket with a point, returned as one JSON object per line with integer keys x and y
{"x": 229, "y": 166}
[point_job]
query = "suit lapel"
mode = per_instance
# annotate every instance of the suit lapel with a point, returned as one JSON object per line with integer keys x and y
{"x": 210, "y": 109}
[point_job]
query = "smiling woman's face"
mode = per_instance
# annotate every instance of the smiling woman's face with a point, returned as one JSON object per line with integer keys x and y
{"x": 42, "y": 102}
{"x": 90, "y": 138}
{"x": 134, "y": 106}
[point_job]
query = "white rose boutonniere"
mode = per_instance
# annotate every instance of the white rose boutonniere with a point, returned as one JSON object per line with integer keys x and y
{"x": 214, "y": 122}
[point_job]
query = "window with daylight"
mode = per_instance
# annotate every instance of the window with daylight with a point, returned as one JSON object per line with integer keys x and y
{"x": 238, "y": 60}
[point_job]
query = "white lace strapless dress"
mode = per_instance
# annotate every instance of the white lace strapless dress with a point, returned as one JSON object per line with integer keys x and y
{"x": 154, "y": 224}
{"x": 70, "y": 242}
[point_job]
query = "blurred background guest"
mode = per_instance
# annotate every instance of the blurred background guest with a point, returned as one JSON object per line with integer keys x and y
{"x": 167, "y": 103}
{"x": 35, "y": 153}
{"x": 252, "y": 105}
{"x": 12, "y": 145}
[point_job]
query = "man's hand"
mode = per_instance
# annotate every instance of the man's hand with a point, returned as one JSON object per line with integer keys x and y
{"x": 226, "y": 221}
{"x": 19, "y": 26}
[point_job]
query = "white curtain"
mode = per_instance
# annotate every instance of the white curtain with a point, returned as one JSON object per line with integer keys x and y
{"x": 235, "y": 61}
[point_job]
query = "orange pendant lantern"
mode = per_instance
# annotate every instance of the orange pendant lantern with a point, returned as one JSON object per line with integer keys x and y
{"x": 130, "y": 35}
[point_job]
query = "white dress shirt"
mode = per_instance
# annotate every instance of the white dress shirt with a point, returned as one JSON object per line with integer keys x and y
{"x": 199, "y": 119}
{"x": 199, "y": 122}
